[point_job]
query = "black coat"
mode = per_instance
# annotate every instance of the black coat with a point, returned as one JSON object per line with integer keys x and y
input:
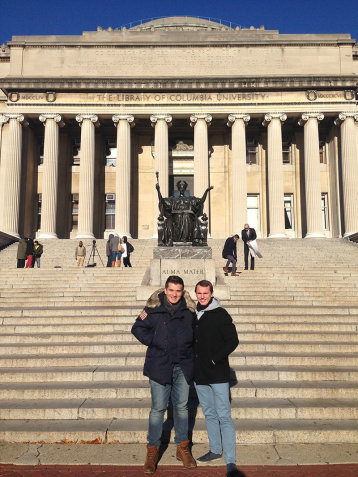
{"x": 169, "y": 338}
{"x": 244, "y": 236}
{"x": 230, "y": 248}
{"x": 215, "y": 337}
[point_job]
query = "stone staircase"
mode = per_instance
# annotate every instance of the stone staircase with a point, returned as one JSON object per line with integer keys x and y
{"x": 71, "y": 371}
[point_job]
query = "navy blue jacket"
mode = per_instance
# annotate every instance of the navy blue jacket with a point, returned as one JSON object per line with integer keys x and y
{"x": 230, "y": 248}
{"x": 169, "y": 338}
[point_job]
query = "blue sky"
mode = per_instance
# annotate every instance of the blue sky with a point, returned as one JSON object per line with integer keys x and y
{"x": 71, "y": 17}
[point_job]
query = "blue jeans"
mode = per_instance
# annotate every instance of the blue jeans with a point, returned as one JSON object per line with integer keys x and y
{"x": 215, "y": 402}
{"x": 179, "y": 392}
{"x": 116, "y": 256}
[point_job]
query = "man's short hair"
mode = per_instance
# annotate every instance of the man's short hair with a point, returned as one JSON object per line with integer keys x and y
{"x": 236, "y": 236}
{"x": 175, "y": 280}
{"x": 204, "y": 284}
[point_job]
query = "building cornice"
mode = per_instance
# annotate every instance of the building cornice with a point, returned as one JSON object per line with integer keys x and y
{"x": 172, "y": 84}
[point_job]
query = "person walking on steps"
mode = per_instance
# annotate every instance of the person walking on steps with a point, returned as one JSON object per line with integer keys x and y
{"x": 80, "y": 254}
{"x": 38, "y": 250}
{"x": 109, "y": 251}
{"x": 215, "y": 338}
{"x": 248, "y": 234}
{"x": 230, "y": 253}
{"x": 128, "y": 249}
{"x": 165, "y": 326}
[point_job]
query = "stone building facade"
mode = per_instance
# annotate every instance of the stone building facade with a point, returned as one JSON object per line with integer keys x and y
{"x": 269, "y": 120}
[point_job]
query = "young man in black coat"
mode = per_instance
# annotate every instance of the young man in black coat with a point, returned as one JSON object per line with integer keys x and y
{"x": 215, "y": 338}
{"x": 230, "y": 253}
{"x": 248, "y": 234}
{"x": 165, "y": 326}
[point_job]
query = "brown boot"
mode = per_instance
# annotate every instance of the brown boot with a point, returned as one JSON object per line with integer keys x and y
{"x": 226, "y": 270}
{"x": 183, "y": 454}
{"x": 113, "y": 264}
{"x": 151, "y": 460}
{"x": 118, "y": 263}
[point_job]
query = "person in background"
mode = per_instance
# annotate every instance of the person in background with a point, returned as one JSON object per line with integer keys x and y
{"x": 80, "y": 254}
{"x": 248, "y": 234}
{"x": 38, "y": 251}
{"x": 116, "y": 254}
{"x": 21, "y": 253}
{"x": 127, "y": 253}
{"x": 29, "y": 252}
{"x": 230, "y": 253}
{"x": 109, "y": 251}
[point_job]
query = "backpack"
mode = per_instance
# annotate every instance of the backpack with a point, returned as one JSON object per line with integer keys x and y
{"x": 130, "y": 247}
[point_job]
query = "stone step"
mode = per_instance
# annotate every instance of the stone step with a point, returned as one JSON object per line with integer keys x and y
{"x": 137, "y": 359}
{"x": 125, "y": 326}
{"x": 119, "y": 336}
{"x": 250, "y": 408}
{"x": 261, "y": 431}
{"x": 136, "y": 389}
{"x": 118, "y": 373}
{"x": 56, "y": 348}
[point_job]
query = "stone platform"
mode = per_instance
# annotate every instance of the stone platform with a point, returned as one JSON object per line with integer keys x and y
{"x": 191, "y": 263}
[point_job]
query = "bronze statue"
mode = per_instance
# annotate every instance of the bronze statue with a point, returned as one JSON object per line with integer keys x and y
{"x": 182, "y": 219}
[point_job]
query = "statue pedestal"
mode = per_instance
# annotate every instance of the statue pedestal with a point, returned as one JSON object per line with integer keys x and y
{"x": 190, "y": 263}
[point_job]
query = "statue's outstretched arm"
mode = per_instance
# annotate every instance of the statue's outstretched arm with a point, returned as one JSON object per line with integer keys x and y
{"x": 202, "y": 200}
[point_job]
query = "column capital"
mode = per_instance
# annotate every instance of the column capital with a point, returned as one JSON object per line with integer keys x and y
{"x": 194, "y": 118}
{"x": 91, "y": 117}
{"x": 19, "y": 117}
{"x": 306, "y": 116}
{"x": 343, "y": 116}
{"x": 56, "y": 117}
{"x": 3, "y": 119}
{"x": 233, "y": 117}
{"x": 164, "y": 117}
{"x": 270, "y": 116}
{"x": 123, "y": 117}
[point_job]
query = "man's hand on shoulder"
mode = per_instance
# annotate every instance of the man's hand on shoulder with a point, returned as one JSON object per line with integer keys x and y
{"x": 143, "y": 315}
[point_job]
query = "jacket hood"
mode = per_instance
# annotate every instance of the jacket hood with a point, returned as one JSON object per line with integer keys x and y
{"x": 110, "y": 236}
{"x": 154, "y": 300}
{"x": 213, "y": 305}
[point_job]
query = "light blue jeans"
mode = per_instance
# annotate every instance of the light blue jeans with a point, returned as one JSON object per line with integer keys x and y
{"x": 179, "y": 392}
{"x": 215, "y": 402}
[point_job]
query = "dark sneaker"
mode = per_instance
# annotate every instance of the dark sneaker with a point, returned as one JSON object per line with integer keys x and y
{"x": 209, "y": 457}
{"x": 232, "y": 471}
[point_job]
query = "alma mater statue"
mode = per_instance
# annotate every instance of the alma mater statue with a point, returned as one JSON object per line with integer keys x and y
{"x": 182, "y": 219}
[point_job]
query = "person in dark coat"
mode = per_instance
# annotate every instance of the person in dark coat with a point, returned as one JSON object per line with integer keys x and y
{"x": 248, "y": 234}
{"x": 21, "y": 253}
{"x": 109, "y": 251}
{"x": 215, "y": 338}
{"x": 165, "y": 326}
{"x": 230, "y": 253}
{"x": 127, "y": 253}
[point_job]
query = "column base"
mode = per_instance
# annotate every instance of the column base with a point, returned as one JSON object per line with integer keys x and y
{"x": 277, "y": 236}
{"x": 12, "y": 234}
{"x": 124, "y": 234}
{"x": 47, "y": 235}
{"x": 348, "y": 234}
{"x": 85, "y": 235}
{"x": 315, "y": 235}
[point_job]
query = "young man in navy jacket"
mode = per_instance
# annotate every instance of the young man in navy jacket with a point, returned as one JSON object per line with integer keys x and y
{"x": 165, "y": 326}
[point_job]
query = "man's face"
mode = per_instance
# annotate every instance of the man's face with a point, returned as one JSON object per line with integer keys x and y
{"x": 203, "y": 294}
{"x": 236, "y": 239}
{"x": 174, "y": 293}
{"x": 246, "y": 227}
{"x": 80, "y": 244}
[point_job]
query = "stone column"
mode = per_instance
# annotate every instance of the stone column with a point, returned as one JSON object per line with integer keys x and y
{"x": 238, "y": 170}
{"x": 124, "y": 123}
{"x": 200, "y": 123}
{"x": 312, "y": 174}
{"x": 161, "y": 123}
{"x": 3, "y": 120}
{"x": 86, "y": 190}
{"x": 11, "y": 173}
{"x": 349, "y": 170}
{"x": 50, "y": 175}
{"x": 275, "y": 174}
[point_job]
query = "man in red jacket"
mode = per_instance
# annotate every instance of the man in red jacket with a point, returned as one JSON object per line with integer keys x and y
{"x": 215, "y": 338}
